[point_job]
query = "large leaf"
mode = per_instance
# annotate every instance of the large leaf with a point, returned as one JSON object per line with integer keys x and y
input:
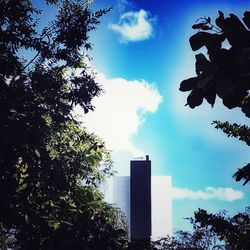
{"x": 209, "y": 40}
{"x": 220, "y": 21}
{"x": 225, "y": 86}
{"x": 239, "y": 38}
{"x": 198, "y": 25}
{"x": 210, "y": 96}
{"x": 234, "y": 98}
{"x": 221, "y": 57}
{"x": 195, "y": 98}
{"x": 243, "y": 174}
{"x": 234, "y": 22}
{"x": 189, "y": 84}
{"x": 215, "y": 41}
{"x": 199, "y": 40}
{"x": 202, "y": 64}
{"x": 246, "y": 19}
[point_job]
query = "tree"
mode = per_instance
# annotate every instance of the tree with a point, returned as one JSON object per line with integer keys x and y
{"x": 225, "y": 73}
{"x": 211, "y": 231}
{"x": 234, "y": 231}
{"x": 50, "y": 167}
{"x": 201, "y": 238}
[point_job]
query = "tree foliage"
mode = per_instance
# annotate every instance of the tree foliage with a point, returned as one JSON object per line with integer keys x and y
{"x": 201, "y": 238}
{"x": 234, "y": 231}
{"x": 50, "y": 167}
{"x": 223, "y": 73}
{"x": 210, "y": 232}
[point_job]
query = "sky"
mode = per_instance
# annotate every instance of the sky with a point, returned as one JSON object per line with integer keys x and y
{"x": 141, "y": 53}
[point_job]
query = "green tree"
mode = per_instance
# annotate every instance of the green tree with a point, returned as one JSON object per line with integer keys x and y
{"x": 201, "y": 238}
{"x": 50, "y": 167}
{"x": 211, "y": 231}
{"x": 223, "y": 73}
{"x": 234, "y": 231}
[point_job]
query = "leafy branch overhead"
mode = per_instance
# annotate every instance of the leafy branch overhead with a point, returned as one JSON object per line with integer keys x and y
{"x": 242, "y": 133}
{"x": 225, "y": 71}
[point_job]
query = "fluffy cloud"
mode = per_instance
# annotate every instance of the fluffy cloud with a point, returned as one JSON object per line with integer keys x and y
{"x": 122, "y": 4}
{"x": 223, "y": 194}
{"x": 134, "y": 26}
{"x": 120, "y": 110}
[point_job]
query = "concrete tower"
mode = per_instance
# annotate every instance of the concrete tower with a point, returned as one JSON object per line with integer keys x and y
{"x": 140, "y": 199}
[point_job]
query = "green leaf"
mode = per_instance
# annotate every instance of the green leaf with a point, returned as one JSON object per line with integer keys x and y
{"x": 26, "y": 217}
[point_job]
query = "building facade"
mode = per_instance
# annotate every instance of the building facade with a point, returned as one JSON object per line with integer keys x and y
{"x": 146, "y": 201}
{"x": 140, "y": 199}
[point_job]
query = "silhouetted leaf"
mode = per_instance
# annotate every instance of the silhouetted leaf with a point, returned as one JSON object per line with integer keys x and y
{"x": 246, "y": 19}
{"x": 232, "y": 100}
{"x": 206, "y": 82}
{"x": 195, "y": 98}
{"x": 243, "y": 174}
{"x": 221, "y": 57}
{"x": 198, "y": 25}
{"x": 220, "y": 21}
{"x": 189, "y": 84}
{"x": 206, "y": 27}
{"x": 199, "y": 40}
{"x": 210, "y": 96}
{"x": 239, "y": 38}
{"x": 235, "y": 22}
{"x": 202, "y": 64}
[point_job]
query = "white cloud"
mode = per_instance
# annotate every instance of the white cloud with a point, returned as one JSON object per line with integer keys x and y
{"x": 120, "y": 110}
{"x": 134, "y": 26}
{"x": 122, "y": 4}
{"x": 223, "y": 194}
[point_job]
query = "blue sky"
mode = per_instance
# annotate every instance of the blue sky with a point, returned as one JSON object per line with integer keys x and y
{"x": 144, "y": 44}
{"x": 141, "y": 53}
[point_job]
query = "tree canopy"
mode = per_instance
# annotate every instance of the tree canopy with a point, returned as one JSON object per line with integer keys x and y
{"x": 224, "y": 72}
{"x": 50, "y": 167}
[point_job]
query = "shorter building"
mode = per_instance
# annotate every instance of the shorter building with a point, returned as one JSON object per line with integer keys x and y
{"x": 121, "y": 195}
{"x": 161, "y": 200}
